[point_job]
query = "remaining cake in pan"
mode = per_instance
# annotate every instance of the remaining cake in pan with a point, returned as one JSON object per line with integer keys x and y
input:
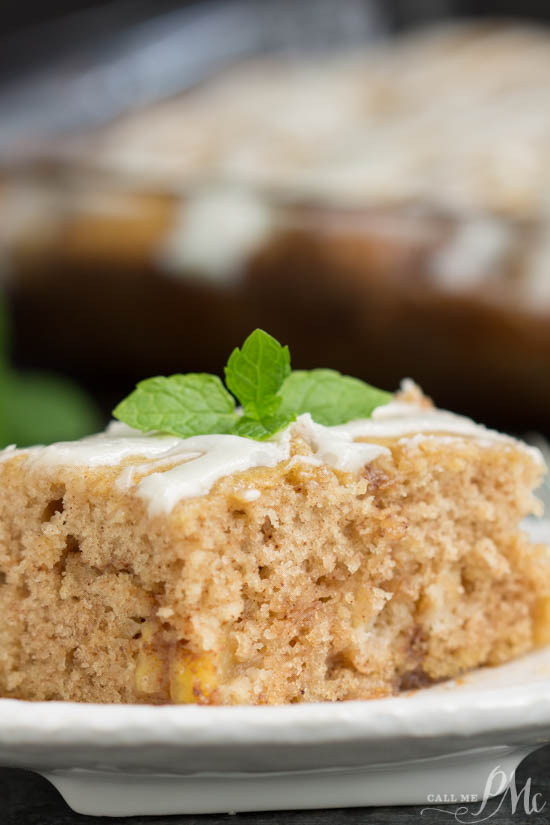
{"x": 400, "y": 192}
{"x": 322, "y": 563}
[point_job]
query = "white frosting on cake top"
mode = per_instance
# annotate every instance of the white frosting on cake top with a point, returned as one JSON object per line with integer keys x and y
{"x": 179, "y": 468}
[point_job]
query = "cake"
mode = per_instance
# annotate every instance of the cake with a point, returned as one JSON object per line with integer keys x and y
{"x": 398, "y": 190}
{"x": 339, "y": 562}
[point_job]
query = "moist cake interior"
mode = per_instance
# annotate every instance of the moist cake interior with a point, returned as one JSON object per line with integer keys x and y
{"x": 296, "y": 582}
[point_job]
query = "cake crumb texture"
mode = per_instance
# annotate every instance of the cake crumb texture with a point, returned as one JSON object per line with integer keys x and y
{"x": 325, "y": 586}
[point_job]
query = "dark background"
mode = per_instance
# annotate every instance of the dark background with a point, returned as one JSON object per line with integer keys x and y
{"x": 103, "y": 16}
{"x": 18, "y": 16}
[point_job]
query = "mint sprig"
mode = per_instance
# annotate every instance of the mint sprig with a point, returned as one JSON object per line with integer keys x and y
{"x": 270, "y": 394}
{"x": 184, "y": 405}
{"x": 255, "y": 374}
{"x": 329, "y": 397}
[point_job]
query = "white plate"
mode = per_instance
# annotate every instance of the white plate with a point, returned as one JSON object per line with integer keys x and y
{"x": 418, "y": 748}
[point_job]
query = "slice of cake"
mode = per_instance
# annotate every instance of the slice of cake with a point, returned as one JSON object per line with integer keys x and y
{"x": 309, "y": 562}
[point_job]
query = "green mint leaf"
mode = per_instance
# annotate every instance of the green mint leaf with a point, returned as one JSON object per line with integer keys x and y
{"x": 259, "y": 375}
{"x": 260, "y": 430}
{"x": 250, "y": 428}
{"x": 256, "y": 372}
{"x": 329, "y": 397}
{"x": 184, "y": 405}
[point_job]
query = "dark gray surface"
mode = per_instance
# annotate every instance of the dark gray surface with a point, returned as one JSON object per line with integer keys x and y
{"x": 26, "y": 799}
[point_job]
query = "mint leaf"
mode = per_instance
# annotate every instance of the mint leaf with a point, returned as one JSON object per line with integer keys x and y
{"x": 184, "y": 405}
{"x": 260, "y": 430}
{"x": 255, "y": 374}
{"x": 330, "y": 397}
{"x": 259, "y": 375}
{"x": 250, "y": 428}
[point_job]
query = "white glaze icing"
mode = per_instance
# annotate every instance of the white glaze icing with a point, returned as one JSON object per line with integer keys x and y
{"x": 201, "y": 463}
{"x": 335, "y": 446}
{"x": 473, "y": 255}
{"x": 177, "y": 468}
{"x": 238, "y": 219}
{"x": 110, "y": 447}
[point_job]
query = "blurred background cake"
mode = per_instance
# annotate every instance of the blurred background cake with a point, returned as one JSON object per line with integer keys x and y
{"x": 368, "y": 182}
